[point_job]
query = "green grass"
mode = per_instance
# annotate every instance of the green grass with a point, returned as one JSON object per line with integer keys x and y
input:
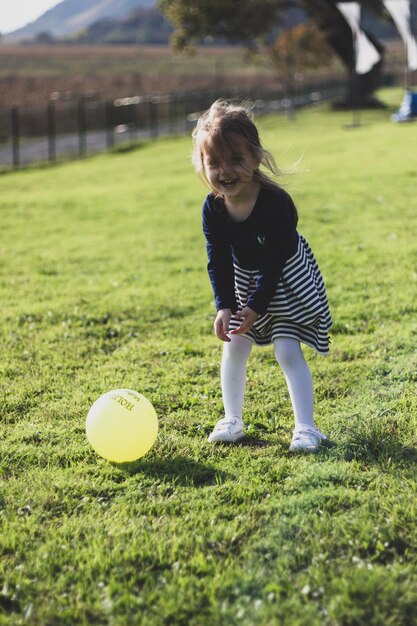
{"x": 103, "y": 285}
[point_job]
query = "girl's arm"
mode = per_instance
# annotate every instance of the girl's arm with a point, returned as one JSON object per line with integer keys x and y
{"x": 281, "y": 241}
{"x": 220, "y": 260}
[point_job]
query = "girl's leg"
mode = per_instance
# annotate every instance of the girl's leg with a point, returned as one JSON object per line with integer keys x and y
{"x": 297, "y": 374}
{"x": 233, "y": 374}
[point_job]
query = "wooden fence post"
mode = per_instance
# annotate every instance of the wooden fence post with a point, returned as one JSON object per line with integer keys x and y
{"x": 15, "y": 136}
{"x": 153, "y": 116}
{"x": 51, "y": 129}
{"x": 81, "y": 118}
{"x": 108, "y": 112}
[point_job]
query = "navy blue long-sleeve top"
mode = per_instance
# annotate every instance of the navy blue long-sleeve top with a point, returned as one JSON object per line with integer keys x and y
{"x": 264, "y": 241}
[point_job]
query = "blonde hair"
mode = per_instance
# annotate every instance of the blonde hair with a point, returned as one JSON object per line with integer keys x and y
{"x": 221, "y": 120}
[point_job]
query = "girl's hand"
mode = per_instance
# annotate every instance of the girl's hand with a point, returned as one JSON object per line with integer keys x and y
{"x": 249, "y": 317}
{"x": 221, "y": 324}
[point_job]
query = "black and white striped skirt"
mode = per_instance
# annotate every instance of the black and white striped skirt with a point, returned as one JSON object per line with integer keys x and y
{"x": 299, "y": 308}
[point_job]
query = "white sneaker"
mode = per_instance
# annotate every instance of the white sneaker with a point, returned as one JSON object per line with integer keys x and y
{"x": 228, "y": 429}
{"x": 306, "y": 438}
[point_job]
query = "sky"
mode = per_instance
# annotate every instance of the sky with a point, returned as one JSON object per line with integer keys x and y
{"x": 17, "y": 13}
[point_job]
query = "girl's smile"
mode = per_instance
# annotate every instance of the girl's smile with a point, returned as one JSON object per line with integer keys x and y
{"x": 229, "y": 183}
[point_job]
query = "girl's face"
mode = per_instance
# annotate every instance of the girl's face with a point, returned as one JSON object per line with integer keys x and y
{"x": 229, "y": 168}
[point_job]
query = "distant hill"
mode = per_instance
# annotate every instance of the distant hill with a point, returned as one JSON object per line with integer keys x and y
{"x": 146, "y": 25}
{"x": 139, "y": 22}
{"x": 71, "y": 16}
{"x": 141, "y": 26}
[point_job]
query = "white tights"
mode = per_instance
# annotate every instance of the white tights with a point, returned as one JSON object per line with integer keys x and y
{"x": 290, "y": 357}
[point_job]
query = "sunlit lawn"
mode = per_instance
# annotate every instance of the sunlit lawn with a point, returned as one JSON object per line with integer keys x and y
{"x": 103, "y": 285}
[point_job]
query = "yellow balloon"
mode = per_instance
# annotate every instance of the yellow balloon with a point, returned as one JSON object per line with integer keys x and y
{"x": 122, "y": 425}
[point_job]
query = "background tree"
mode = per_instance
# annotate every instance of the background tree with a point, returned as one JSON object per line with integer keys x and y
{"x": 246, "y": 21}
{"x": 297, "y": 50}
{"x": 255, "y": 23}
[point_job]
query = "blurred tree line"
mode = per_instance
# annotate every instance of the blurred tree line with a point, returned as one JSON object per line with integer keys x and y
{"x": 259, "y": 24}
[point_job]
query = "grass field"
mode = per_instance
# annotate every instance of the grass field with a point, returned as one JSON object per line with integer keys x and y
{"x": 103, "y": 285}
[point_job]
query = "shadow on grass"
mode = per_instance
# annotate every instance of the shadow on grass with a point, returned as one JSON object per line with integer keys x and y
{"x": 253, "y": 442}
{"x": 8, "y": 604}
{"x": 179, "y": 471}
{"x": 371, "y": 444}
{"x": 129, "y": 146}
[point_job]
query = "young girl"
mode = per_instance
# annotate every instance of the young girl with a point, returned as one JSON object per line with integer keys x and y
{"x": 266, "y": 282}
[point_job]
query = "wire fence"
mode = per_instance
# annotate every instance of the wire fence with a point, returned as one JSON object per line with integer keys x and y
{"x": 76, "y": 128}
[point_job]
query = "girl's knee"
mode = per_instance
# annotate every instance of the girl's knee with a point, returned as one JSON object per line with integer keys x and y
{"x": 237, "y": 349}
{"x": 288, "y": 352}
